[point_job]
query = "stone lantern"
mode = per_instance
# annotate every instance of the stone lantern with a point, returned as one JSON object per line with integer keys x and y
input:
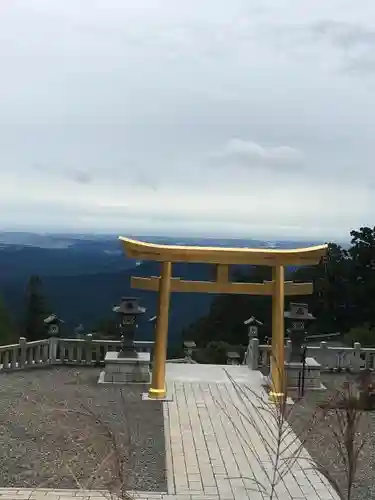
{"x": 296, "y": 317}
{"x": 233, "y": 358}
{"x": 303, "y": 372}
{"x": 128, "y": 312}
{"x": 253, "y": 325}
{"x": 189, "y": 346}
{"x": 127, "y": 366}
{"x": 53, "y": 325}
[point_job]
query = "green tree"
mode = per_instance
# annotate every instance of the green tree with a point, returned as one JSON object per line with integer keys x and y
{"x": 362, "y": 254}
{"x": 331, "y": 301}
{"x": 8, "y": 333}
{"x": 107, "y": 328}
{"x": 364, "y": 334}
{"x": 215, "y": 353}
{"x": 225, "y": 320}
{"x": 36, "y": 310}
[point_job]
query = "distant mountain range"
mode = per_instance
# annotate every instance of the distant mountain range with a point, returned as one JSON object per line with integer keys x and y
{"x": 84, "y": 276}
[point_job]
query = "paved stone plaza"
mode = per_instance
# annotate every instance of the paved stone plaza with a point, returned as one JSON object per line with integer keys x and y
{"x": 208, "y": 443}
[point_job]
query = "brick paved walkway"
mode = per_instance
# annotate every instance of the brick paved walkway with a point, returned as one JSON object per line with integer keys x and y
{"x": 207, "y": 441}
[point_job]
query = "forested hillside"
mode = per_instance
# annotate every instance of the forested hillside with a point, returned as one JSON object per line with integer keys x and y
{"x": 343, "y": 299}
{"x": 89, "y": 298}
{"x": 83, "y": 276}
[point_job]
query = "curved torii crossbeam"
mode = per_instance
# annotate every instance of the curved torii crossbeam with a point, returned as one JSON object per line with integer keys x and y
{"x": 223, "y": 258}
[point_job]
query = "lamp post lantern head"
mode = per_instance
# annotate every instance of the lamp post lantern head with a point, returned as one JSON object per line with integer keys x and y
{"x": 128, "y": 311}
{"x": 297, "y": 316}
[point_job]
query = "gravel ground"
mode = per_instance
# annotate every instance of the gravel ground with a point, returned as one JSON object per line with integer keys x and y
{"x": 321, "y": 442}
{"x": 59, "y": 429}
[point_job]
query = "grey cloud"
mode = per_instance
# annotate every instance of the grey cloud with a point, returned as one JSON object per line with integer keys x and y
{"x": 354, "y": 42}
{"x": 125, "y": 101}
{"x": 345, "y": 35}
{"x": 79, "y": 213}
{"x": 145, "y": 179}
{"x": 242, "y": 153}
{"x": 110, "y": 174}
{"x": 61, "y": 210}
{"x": 79, "y": 176}
{"x": 360, "y": 65}
{"x": 113, "y": 175}
{"x": 124, "y": 220}
{"x": 41, "y": 167}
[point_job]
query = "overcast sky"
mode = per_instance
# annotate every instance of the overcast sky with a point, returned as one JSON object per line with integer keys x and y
{"x": 238, "y": 118}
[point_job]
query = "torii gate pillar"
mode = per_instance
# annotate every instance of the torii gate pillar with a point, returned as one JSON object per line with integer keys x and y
{"x": 157, "y": 389}
{"x": 277, "y": 354}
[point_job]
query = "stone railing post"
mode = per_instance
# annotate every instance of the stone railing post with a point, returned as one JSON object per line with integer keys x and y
{"x": 88, "y": 348}
{"x": 323, "y": 353}
{"x": 22, "y": 358}
{"x": 253, "y": 354}
{"x": 14, "y": 358}
{"x": 357, "y": 361}
{"x": 288, "y": 350}
{"x": 52, "y": 355}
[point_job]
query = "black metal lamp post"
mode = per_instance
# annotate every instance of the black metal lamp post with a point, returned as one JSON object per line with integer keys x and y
{"x": 128, "y": 310}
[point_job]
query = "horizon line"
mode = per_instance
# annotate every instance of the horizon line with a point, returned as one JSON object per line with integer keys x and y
{"x": 142, "y": 234}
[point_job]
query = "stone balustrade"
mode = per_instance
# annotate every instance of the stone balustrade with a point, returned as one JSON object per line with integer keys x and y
{"x": 87, "y": 351}
{"x": 331, "y": 358}
{"x": 56, "y": 351}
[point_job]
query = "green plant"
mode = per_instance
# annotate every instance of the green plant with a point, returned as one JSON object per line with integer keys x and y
{"x": 364, "y": 334}
{"x": 344, "y": 417}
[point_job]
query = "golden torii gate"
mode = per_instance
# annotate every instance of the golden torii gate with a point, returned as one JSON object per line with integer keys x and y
{"x": 222, "y": 258}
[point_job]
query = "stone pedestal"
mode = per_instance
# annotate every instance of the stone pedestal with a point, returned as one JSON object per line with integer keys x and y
{"x": 130, "y": 370}
{"x": 293, "y": 370}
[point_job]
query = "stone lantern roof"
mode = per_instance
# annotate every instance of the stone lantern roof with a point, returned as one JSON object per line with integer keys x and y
{"x": 253, "y": 321}
{"x": 52, "y": 319}
{"x": 129, "y": 305}
{"x": 298, "y": 311}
